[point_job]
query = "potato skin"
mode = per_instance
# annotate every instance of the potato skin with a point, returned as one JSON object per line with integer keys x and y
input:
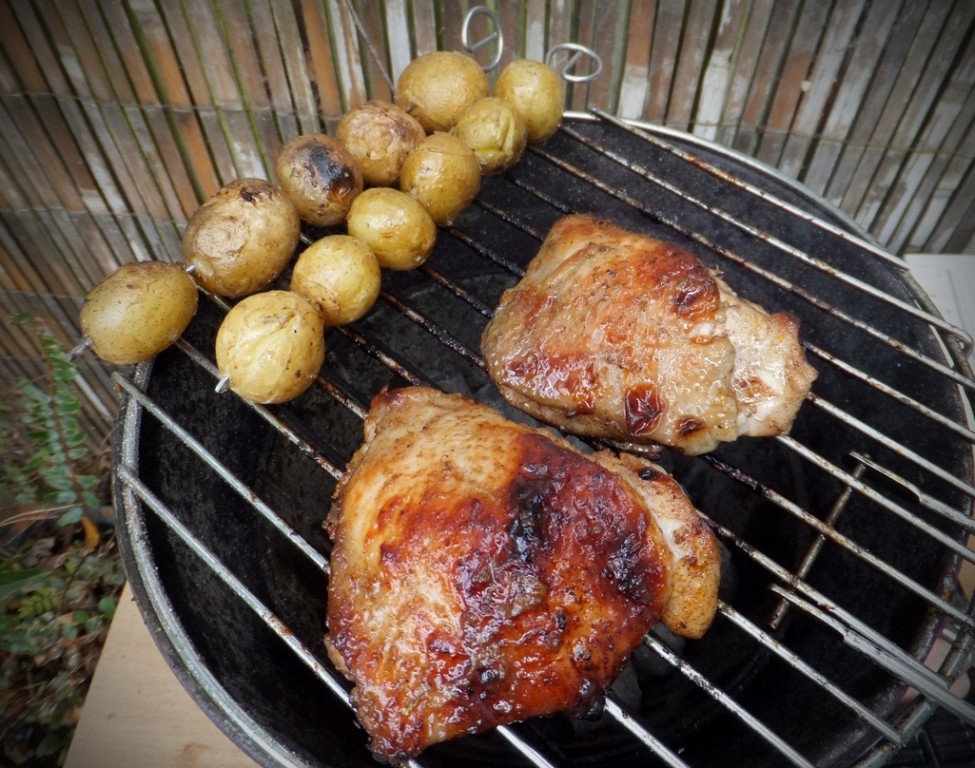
{"x": 535, "y": 89}
{"x": 138, "y": 311}
{"x": 442, "y": 174}
{"x": 380, "y": 136}
{"x": 270, "y": 346}
{"x": 496, "y": 131}
{"x": 240, "y": 239}
{"x": 339, "y": 276}
{"x": 397, "y": 229}
{"x": 437, "y": 87}
{"x": 320, "y": 176}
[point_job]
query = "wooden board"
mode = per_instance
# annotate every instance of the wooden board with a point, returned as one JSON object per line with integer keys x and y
{"x": 138, "y": 714}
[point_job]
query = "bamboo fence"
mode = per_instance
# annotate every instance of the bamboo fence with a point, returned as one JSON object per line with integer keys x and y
{"x": 118, "y": 117}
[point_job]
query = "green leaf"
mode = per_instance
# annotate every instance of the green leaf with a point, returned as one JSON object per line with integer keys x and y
{"x": 67, "y": 403}
{"x": 34, "y": 392}
{"x": 78, "y": 452}
{"x": 27, "y": 495}
{"x": 12, "y": 580}
{"x": 57, "y": 478}
{"x": 91, "y": 501}
{"x": 62, "y": 497}
{"x": 107, "y": 606}
{"x": 71, "y": 517}
{"x": 88, "y": 481}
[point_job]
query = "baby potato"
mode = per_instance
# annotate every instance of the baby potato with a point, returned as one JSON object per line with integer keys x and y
{"x": 240, "y": 239}
{"x": 495, "y": 130}
{"x": 138, "y": 311}
{"x": 437, "y": 87}
{"x": 442, "y": 174}
{"x": 379, "y": 136}
{"x": 320, "y": 176}
{"x": 535, "y": 89}
{"x": 270, "y": 346}
{"x": 397, "y": 229}
{"x": 340, "y": 276}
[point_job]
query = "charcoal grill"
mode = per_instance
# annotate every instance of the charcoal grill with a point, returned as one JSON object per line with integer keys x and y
{"x": 842, "y": 541}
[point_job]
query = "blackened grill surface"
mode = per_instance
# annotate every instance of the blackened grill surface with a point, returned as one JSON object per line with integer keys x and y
{"x": 286, "y": 711}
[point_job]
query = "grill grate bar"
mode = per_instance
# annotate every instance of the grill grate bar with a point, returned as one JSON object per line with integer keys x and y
{"x": 881, "y": 725}
{"x": 943, "y": 509}
{"x": 839, "y": 539}
{"x": 958, "y": 707}
{"x": 816, "y": 546}
{"x": 904, "y": 451}
{"x": 628, "y": 721}
{"x": 238, "y": 587}
{"x": 959, "y": 429}
{"x": 751, "y": 189}
{"x": 479, "y": 248}
{"x": 434, "y": 329}
{"x": 226, "y": 475}
{"x": 931, "y": 680}
{"x": 913, "y": 310}
{"x": 522, "y": 746}
{"x": 457, "y": 290}
{"x": 923, "y": 498}
{"x": 383, "y": 355}
{"x": 771, "y": 277}
{"x": 330, "y": 465}
{"x": 729, "y": 703}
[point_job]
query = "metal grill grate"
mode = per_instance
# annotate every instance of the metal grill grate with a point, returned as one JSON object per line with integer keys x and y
{"x": 842, "y": 539}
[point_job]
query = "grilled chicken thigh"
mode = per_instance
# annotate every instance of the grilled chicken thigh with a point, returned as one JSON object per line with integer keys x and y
{"x": 613, "y": 334}
{"x": 485, "y": 572}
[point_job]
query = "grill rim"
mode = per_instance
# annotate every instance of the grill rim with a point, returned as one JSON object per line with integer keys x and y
{"x": 129, "y": 506}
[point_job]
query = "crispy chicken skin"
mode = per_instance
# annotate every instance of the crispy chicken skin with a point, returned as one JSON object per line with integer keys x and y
{"x": 613, "y": 334}
{"x": 485, "y": 572}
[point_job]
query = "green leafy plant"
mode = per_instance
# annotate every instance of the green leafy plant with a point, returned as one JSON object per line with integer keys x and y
{"x": 49, "y": 457}
{"x": 60, "y": 575}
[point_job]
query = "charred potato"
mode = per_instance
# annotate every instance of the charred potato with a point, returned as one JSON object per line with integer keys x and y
{"x": 437, "y": 87}
{"x": 270, "y": 346}
{"x": 443, "y": 175}
{"x": 496, "y": 131}
{"x": 379, "y": 136}
{"x": 320, "y": 176}
{"x": 340, "y": 276}
{"x": 138, "y": 311}
{"x": 535, "y": 90}
{"x": 397, "y": 229}
{"x": 240, "y": 239}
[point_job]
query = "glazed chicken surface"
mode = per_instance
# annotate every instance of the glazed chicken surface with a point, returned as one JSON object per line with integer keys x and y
{"x": 485, "y": 572}
{"x": 613, "y": 334}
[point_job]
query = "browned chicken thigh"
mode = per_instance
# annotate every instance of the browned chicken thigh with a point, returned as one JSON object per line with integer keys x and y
{"x": 485, "y": 572}
{"x": 613, "y": 334}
